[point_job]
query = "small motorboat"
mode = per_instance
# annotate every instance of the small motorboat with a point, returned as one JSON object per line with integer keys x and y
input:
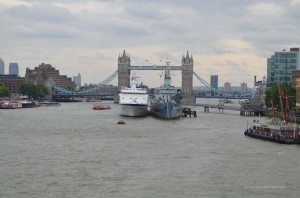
{"x": 101, "y": 107}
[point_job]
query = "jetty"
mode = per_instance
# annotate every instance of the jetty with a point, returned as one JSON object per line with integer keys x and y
{"x": 187, "y": 112}
{"x": 220, "y": 107}
{"x": 249, "y": 107}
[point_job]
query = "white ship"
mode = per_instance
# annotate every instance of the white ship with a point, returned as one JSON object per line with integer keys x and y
{"x": 133, "y": 100}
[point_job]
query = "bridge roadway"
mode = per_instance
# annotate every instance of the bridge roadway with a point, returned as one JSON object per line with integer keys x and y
{"x": 80, "y": 94}
{"x": 225, "y": 97}
{"x": 156, "y": 67}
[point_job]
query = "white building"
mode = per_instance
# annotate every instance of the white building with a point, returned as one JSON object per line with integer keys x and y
{"x": 243, "y": 87}
{"x": 77, "y": 80}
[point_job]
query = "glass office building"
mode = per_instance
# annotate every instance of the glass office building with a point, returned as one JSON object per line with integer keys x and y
{"x": 1, "y": 66}
{"x": 13, "y": 69}
{"x": 281, "y": 65}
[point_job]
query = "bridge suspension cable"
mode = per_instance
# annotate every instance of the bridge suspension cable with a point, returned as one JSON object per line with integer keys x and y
{"x": 206, "y": 84}
{"x": 99, "y": 85}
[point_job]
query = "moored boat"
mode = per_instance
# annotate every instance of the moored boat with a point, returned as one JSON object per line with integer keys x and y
{"x": 276, "y": 129}
{"x": 29, "y": 104}
{"x": 167, "y": 100}
{"x": 133, "y": 100}
{"x": 10, "y": 105}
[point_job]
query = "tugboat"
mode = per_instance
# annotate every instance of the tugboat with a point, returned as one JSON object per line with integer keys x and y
{"x": 167, "y": 100}
{"x": 276, "y": 129}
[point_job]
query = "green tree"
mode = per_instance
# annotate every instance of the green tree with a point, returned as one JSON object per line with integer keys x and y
{"x": 273, "y": 95}
{"x": 42, "y": 91}
{"x": 34, "y": 91}
{"x": 4, "y": 92}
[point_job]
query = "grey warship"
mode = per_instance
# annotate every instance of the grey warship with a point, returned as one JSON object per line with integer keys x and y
{"x": 166, "y": 103}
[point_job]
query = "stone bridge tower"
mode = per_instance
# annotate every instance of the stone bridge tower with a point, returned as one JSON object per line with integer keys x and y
{"x": 187, "y": 79}
{"x": 123, "y": 73}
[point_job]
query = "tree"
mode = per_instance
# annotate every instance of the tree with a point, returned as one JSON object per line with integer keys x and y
{"x": 273, "y": 95}
{"x": 34, "y": 91}
{"x": 4, "y": 92}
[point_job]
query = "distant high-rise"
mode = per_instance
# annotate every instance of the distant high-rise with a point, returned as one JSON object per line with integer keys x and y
{"x": 227, "y": 87}
{"x": 77, "y": 80}
{"x": 13, "y": 68}
{"x": 243, "y": 87}
{"x": 1, "y": 66}
{"x": 214, "y": 81}
{"x": 281, "y": 65}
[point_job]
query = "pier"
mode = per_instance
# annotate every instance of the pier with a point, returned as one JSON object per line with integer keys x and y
{"x": 247, "y": 109}
{"x": 187, "y": 112}
{"x": 220, "y": 107}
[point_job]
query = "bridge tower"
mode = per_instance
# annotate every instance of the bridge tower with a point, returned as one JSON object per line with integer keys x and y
{"x": 187, "y": 79}
{"x": 123, "y": 73}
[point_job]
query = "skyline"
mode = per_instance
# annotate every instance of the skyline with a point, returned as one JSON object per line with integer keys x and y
{"x": 231, "y": 39}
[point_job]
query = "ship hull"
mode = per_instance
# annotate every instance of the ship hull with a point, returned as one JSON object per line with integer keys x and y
{"x": 166, "y": 111}
{"x": 273, "y": 138}
{"x": 133, "y": 110}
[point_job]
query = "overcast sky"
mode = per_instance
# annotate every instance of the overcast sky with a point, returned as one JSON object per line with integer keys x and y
{"x": 229, "y": 38}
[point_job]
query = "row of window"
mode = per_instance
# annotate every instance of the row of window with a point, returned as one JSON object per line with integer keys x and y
{"x": 284, "y": 61}
{"x": 284, "y": 67}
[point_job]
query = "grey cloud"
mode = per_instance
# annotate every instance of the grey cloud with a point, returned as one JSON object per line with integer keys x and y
{"x": 194, "y": 25}
{"x": 41, "y": 12}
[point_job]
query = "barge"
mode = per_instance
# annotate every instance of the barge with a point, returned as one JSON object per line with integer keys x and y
{"x": 276, "y": 129}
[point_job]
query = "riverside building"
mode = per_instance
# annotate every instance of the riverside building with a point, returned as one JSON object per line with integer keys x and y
{"x": 281, "y": 65}
{"x": 48, "y": 75}
{"x": 12, "y": 83}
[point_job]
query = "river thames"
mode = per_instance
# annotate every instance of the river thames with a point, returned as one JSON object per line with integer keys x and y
{"x": 74, "y": 151}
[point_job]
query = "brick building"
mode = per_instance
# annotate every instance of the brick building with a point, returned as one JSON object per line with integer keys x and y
{"x": 12, "y": 83}
{"x": 46, "y": 74}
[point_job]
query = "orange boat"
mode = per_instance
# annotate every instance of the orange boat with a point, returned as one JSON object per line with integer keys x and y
{"x": 101, "y": 107}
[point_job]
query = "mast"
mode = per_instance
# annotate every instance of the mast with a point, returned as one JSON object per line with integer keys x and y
{"x": 273, "y": 109}
{"x": 167, "y": 78}
{"x": 284, "y": 103}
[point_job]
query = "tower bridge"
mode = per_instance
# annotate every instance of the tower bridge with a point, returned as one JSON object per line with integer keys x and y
{"x": 124, "y": 68}
{"x": 123, "y": 73}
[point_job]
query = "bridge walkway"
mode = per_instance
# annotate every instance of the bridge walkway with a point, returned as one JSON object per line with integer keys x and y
{"x": 220, "y": 107}
{"x": 248, "y": 110}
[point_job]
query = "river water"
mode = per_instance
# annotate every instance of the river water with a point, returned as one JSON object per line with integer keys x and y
{"x": 74, "y": 151}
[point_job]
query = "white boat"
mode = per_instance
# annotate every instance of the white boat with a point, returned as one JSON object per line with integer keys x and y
{"x": 10, "y": 104}
{"x": 29, "y": 104}
{"x": 133, "y": 100}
